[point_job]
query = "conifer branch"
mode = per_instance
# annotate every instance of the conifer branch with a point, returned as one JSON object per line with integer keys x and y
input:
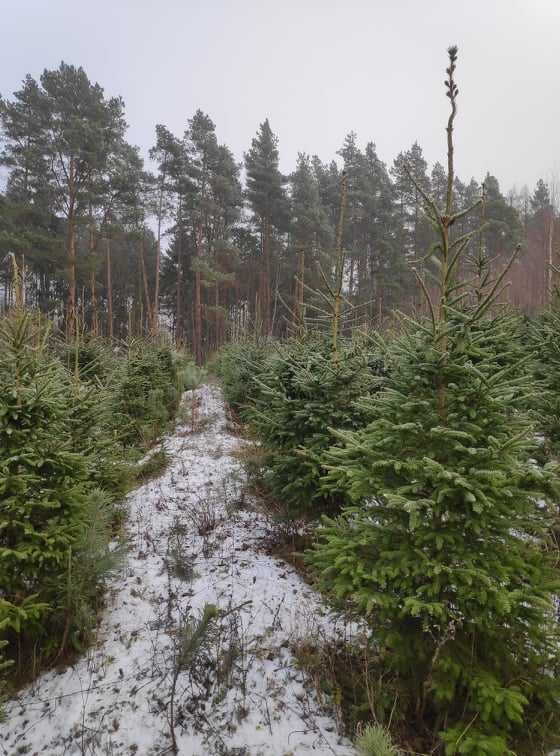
{"x": 428, "y": 298}
{"x": 468, "y": 236}
{"x": 462, "y": 213}
{"x": 492, "y": 296}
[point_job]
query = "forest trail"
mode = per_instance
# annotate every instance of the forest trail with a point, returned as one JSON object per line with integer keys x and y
{"x": 192, "y": 541}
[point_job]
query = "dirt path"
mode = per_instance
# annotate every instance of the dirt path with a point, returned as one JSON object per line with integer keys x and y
{"x": 155, "y": 677}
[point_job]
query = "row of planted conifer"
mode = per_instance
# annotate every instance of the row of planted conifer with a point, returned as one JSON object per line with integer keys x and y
{"x": 74, "y": 421}
{"x": 431, "y": 458}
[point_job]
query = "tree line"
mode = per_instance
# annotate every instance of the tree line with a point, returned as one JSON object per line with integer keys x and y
{"x": 209, "y": 248}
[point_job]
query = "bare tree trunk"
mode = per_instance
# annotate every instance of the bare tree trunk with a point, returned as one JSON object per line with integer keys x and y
{"x": 549, "y": 256}
{"x": 71, "y": 255}
{"x": 155, "y": 312}
{"x": 93, "y": 293}
{"x": 351, "y": 278}
{"x": 145, "y": 283}
{"x": 266, "y": 282}
{"x": 22, "y": 279}
{"x": 258, "y": 316}
{"x": 71, "y": 307}
{"x": 109, "y": 289}
{"x": 179, "y": 326}
{"x": 301, "y": 290}
{"x": 197, "y": 330}
{"x": 339, "y": 271}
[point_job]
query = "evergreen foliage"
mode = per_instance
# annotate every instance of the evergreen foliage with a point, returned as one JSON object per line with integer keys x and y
{"x": 267, "y": 198}
{"x": 95, "y": 435}
{"x": 90, "y": 360}
{"x": 77, "y": 594}
{"x": 545, "y": 338}
{"x": 62, "y": 465}
{"x": 301, "y": 392}
{"x": 43, "y": 482}
{"x": 76, "y": 207}
{"x": 446, "y": 549}
{"x": 147, "y": 393}
{"x": 291, "y": 394}
{"x": 237, "y": 365}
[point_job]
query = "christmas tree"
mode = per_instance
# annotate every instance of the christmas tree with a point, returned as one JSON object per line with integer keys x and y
{"x": 446, "y": 549}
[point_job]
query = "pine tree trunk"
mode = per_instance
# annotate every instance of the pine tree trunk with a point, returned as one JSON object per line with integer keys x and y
{"x": 22, "y": 279}
{"x": 71, "y": 254}
{"x": 179, "y": 329}
{"x": 266, "y": 283}
{"x": 93, "y": 292}
{"x": 109, "y": 289}
{"x": 197, "y": 330}
{"x": 71, "y": 308}
{"x": 301, "y": 289}
{"x": 145, "y": 284}
{"x": 549, "y": 256}
{"x": 258, "y": 317}
{"x": 155, "y": 310}
{"x": 339, "y": 271}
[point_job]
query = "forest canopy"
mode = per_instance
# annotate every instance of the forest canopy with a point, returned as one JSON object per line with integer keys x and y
{"x": 203, "y": 245}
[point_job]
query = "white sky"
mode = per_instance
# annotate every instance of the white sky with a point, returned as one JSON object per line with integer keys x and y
{"x": 317, "y": 69}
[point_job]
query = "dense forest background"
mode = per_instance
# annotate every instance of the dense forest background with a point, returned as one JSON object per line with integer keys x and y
{"x": 207, "y": 248}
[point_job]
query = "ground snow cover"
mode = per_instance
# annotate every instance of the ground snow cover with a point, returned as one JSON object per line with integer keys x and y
{"x": 150, "y": 684}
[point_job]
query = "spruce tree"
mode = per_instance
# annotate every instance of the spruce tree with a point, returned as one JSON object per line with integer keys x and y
{"x": 502, "y": 226}
{"x": 416, "y": 227}
{"x": 545, "y": 340}
{"x": 438, "y": 181}
{"x": 267, "y": 199}
{"x": 447, "y": 547}
{"x": 387, "y": 278}
{"x": 372, "y": 232}
{"x": 310, "y": 231}
{"x": 540, "y": 199}
{"x": 302, "y": 392}
{"x": 328, "y": 182}
{"x": 43, "y": 481}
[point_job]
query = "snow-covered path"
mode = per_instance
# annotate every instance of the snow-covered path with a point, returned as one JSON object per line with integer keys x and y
{"x": 147, "y": 682}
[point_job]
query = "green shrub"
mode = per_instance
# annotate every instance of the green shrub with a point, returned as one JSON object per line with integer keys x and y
{"x": 5, "y": 664}
{"x": 236, "y": 366}
{"x": 63, "y": 463}
{"x": 545, "y": 339}
{"x": 191, "y": 375}
{"x": 94, "y": 437}
{"x": 147, "y": 393}
{"x": 43, "y": 482}
{"x": 77, "y": 595}
{"x": 302, "y": 394}
{"x": 89, "y": 360}
{"x": 446, "y": 549}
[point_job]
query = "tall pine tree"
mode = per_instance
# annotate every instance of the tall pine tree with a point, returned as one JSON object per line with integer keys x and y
{"x": 267, "y": 198}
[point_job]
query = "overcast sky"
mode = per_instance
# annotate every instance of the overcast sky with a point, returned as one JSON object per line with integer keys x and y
{"x": 317, "y": 69}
